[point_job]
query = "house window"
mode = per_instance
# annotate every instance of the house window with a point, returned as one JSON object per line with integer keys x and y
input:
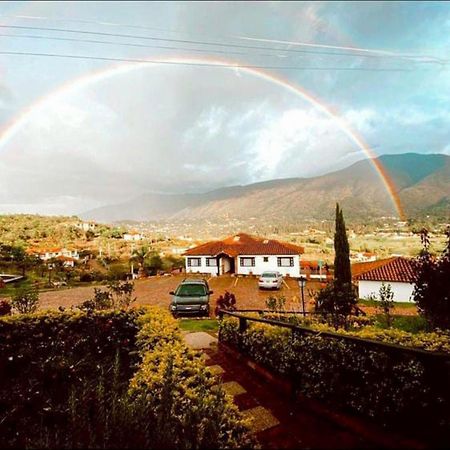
{"x": 247, "y": 262}
{"x": 266, "y": 259}
{"x": 211, "y": 262}
{"x": 194, "y": 262}
{"x": 285, "y": 261}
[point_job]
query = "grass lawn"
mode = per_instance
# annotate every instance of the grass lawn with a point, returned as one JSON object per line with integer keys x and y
{"x": 376, "y": 303}
{"x": 199, "y": 325}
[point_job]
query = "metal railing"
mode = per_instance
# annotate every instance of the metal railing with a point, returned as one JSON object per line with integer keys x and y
{"x": 297, "y": 329}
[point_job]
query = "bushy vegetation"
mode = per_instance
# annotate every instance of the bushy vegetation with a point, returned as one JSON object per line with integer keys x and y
{"x": 111, "y": 379}
{"x": 395, "y": 387}
{"x": 432, "y": 286}
{"x": 25, "y": 300}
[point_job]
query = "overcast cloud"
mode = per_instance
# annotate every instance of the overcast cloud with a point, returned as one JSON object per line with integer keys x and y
{"x": 193, "y": 129}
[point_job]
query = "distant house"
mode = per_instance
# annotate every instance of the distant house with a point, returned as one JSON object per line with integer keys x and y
{"x": 315, "y": 270}
{"x": 133, "y": 236}
{"x": 85, "y": 226}
{"x": 67, "y": 256}
{"x": 363, "y": 257}
{"x": 243, "y": 254}
{"x": 396, "y": 271}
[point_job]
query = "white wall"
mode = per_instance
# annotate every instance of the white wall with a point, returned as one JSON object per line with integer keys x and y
{"x": 203, "y": 268}
{"x": 272, "y": 264}
{"x": 402, "y": 291}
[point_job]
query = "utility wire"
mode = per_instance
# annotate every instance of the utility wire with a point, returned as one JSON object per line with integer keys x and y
{"x": 206, "y": 43}
{"x": 367, "y": 52}
{"x": 129, "y": 44}
{"x": 202, "y": 64}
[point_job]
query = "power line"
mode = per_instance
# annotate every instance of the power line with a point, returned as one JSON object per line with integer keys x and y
{"x": 206, "y": 43}
{"x": 129, "y": 44}
{"x": 367, "y": 52}
{"x": 202, "y": 64}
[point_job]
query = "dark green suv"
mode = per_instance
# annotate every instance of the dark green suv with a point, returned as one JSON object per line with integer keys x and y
{"x": 191, "y": 297}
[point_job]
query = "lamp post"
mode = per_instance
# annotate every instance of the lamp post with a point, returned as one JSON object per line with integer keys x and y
{"x": 302, "y": 283}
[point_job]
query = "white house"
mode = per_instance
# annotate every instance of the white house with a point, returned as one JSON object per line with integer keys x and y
{"x": 133, "y": 237}
{"x": 243, "y": 254}
{"x": 398, "y": 272}
{"x": 67, "y": 256}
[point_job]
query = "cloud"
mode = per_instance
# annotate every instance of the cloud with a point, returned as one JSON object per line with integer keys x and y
{"x": 165, "y": 130}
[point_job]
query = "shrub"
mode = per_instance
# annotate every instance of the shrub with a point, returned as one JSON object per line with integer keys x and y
{"x": 274, "y": 303}
{"x": 46, "y": 356}
{"x": 5, "y": 307}
{"x": 336, "y": 302}
{"x": 386, "y": 302}
{"x": 117, "y": 295}
{"x": 70, "y": 385}
{"x": 397, "y": 389}
{"x": 26, "y": 300}
{"x": 432, "y": 286}
{"x": 226, "y": 302}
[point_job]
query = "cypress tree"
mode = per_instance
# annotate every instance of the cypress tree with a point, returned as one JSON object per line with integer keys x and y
{"x": 342, "y": 270}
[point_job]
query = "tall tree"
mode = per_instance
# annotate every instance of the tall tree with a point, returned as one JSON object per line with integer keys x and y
{"x": 342, "y": 270}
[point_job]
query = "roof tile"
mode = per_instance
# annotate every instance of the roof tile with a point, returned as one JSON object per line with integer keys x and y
{"x": 244, "y": 244}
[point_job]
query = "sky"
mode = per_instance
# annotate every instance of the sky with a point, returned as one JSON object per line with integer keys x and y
{"x": 88, "y": 129}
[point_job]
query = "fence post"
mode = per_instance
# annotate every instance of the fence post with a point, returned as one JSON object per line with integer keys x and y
{"x": 242, "y": 327}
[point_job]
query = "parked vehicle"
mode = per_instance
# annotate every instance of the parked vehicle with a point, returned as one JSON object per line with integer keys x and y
{"x": 191, "y": 297}
{"x": 270, "y": 280}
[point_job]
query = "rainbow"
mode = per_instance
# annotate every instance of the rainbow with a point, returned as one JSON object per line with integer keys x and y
{"x": 14, "y": 125}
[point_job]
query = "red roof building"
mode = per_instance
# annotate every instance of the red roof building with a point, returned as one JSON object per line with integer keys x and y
{"x": 398, "y": 272}
{"x": 244, "y": 254}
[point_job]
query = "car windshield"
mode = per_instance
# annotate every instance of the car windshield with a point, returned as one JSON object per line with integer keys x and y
{"x": 191, "y": 290}
{"x": 269, "y": 275}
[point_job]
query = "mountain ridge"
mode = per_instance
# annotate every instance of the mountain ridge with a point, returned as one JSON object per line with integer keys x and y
{"x": 422, "y": 181}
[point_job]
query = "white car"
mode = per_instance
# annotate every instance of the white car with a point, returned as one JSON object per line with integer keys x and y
{"x": 270, "y": 280}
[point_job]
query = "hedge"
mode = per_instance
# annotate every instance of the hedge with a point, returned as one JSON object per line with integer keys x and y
{"x": 397, "y": 389}
{"x": 111, "y": 379}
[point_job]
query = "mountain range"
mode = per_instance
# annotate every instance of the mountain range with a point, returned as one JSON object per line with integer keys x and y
{"x": 422, "y": 182}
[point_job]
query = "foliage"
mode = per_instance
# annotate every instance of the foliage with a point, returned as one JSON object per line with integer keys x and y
{"x": 432, "y": 285}
{"x": 25, "y": 300}
{"x": 117, "y": 295}
{"x": 113, "y": 380}
{"x": 386, "y": 304}
{"x": 336, "y": 302}
{"x": 46, "y": 356}
{"x": 274, "y": 303}
{"x": 226, "y": 301}
{"x": 118, "y": 271}
{"x": 394, "y": 387}
{"x": 342, "y": 270}
{"x": 5, "y": 307}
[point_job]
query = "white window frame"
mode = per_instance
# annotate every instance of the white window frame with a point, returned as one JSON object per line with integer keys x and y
{"x": 282, "y": 259}
{"x": 210, "y": 260}
{"x": 242, "y": 260}
{"x": 191, "y": 260}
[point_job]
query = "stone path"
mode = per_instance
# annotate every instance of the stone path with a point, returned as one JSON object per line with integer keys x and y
{"x": 279, "y": 422}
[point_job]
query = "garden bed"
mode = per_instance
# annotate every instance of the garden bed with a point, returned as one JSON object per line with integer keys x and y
{"x": 399, "y": 388}
{"x": 116, "y": 379}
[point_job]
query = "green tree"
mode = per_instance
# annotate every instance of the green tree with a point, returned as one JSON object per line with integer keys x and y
{"x": 432, "y": 286}
{"x": 386, "y": 302}
{"x": 342, "y": 269}
{"x": 338, "y": 299}
{"x": 23, "y": 261}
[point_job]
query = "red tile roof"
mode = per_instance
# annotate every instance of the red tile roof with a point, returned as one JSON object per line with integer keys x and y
{"x": 244, "y": 244}
{"x": 396, "y": 269}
